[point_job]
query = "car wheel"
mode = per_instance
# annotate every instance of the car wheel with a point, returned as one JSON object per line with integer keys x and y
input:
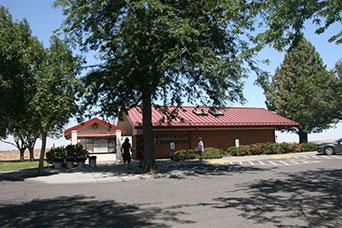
{"x": 329, "y": 151}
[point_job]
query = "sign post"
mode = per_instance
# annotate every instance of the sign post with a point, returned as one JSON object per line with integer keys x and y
{"x": 237, "y": 143}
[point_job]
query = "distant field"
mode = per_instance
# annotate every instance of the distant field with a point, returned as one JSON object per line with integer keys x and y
{"x": 13, "y": 155}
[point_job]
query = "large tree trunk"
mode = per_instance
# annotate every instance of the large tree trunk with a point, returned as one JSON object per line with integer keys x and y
{"x": 42, "y": 152}
{"x": 31, "y": 150}
{"x": 303, "y": 136}
{"x": 150, "y": 163}
{"x": 22, "y": 153}
{"x": 30, "y": 147}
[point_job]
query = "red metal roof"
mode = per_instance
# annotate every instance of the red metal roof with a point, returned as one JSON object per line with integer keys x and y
{"x": 90, "y": 122}
{"x": 232, "y": 117}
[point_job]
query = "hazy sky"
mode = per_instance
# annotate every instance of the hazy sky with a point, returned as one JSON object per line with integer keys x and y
{"x": 44, "y": 19}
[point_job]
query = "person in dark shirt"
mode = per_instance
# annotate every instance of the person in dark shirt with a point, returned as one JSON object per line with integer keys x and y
{"x": 126, "y": 151}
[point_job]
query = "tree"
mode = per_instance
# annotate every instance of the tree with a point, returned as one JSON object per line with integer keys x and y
{"x": 20, "y": 57}
{"x": 23, "y": 139}
{"x": 55, "y": 99}
{"x": 338, "y": 89}
{"x": 283, "y": 20}
{"x": 161, "y": 50}
{"x": 303, "y": 90}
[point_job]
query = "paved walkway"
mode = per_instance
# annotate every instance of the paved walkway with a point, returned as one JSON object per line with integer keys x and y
{"x": 113, "y": 172}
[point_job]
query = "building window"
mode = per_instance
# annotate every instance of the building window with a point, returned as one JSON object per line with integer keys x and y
{"x": 111, "y": 145}
{"x": 87, "y": 143}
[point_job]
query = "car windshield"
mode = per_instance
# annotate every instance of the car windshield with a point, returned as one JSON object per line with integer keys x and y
{"x": 339, "y": 140}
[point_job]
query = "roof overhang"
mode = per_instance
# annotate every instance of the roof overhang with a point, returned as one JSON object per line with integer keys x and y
{"x": 111, "y": 127}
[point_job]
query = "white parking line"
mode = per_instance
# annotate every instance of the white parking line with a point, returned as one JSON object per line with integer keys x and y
{"x": 284, "y": 163}
{"x": 305, "y": 156}
{"x": 333, "y": 156}
{"x": 240, "y": 162}
{"x": 306, "y": 162}
{"x": 251, "y": 163}
{"x": 327, "y": 157}
{"x": 316, "y": 161}
{"x": 272, "y": 162}
{"x": 262, "y": 163}
{"x": 294, "y": 162}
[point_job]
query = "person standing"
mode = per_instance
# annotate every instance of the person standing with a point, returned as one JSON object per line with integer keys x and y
{"x": 126, "y": 152}
{"x": 200, "y": 148}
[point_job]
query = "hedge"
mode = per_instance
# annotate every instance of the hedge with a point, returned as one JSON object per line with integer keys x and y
{"x": 209, "y": 153}
{"x": 270, "y": 148}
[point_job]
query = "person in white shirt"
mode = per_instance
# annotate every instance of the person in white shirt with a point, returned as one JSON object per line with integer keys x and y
{"x": 200, "y": 148}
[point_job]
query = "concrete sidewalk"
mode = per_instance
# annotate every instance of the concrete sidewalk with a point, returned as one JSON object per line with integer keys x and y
{"x": 116, "y": 172}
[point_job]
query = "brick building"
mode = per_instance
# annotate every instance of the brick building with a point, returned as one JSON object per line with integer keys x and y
{"x": 218, "y": 128}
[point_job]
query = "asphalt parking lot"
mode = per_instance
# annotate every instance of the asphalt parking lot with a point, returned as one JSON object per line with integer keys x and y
{"x": 247, "y": 195}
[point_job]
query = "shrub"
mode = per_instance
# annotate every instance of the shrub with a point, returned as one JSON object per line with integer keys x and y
{"x": 70, "y": 150}
{"x": 309, "y": 147}
{"x": 182, "y": 155}
{"x": 76, "y": 152}
{"x": 270, "y": 148}
{"x": 209, "y": 153}
{"x": 212, "y": 153}
{"x": 55, "y": 154}
{"x": 236, "y": 151}
{"x": 80, "y": 151}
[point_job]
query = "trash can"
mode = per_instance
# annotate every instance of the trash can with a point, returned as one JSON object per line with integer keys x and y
{"x": 92, "y": 161}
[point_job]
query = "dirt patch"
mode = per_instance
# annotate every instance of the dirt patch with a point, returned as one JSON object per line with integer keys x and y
{"x": 12, "y": 155}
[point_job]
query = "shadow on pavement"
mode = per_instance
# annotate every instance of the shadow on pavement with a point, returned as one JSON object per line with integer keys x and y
{"x": 21, "y": 175}
{"x": 191, "y": 168}
{"x": 312, "y": 197}
{"x": 167, "y": 168}
{"x": 80, "y": 211}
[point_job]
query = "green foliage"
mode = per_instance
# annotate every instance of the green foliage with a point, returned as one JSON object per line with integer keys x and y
{"x": 170, "y": 51}
{"x": 305, "y": 147}
{"x": 303, "y": 90}
{"x": 182, "y": 155}
{"x": 236, "y": 151}
{"x": 55, "y": 99}
{"x": 337, "y": 87}
{"x": 55, "y": 154}
{"x": 175, "y": 51}
{"x": 209, "y": 153}
{"x": 73, "y": 152}
{"x": 21, "y": 55}
{"x": 212, "y": 153}
{"x": 270, "y": 148}
{"x": 70, "y": 150}
{"x": 80, "y": 151}
{"x": 16, "y": 166}
{"x": 284, "y": 19}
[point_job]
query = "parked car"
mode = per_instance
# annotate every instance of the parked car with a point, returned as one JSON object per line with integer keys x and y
{"x": 330, "y": 148}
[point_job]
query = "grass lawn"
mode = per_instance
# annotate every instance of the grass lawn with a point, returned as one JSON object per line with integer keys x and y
{"x": 14, "y": 166}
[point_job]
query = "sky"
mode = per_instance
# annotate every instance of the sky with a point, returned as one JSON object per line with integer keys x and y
{"x": 44, "y": 19}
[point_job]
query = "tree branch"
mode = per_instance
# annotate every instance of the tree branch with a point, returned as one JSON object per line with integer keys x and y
{"x": 13, "y": 144}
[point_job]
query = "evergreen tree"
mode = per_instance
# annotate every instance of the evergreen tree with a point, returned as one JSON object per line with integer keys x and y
{"x": 338, "y": 89}
{"x": 303, "y": 90}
